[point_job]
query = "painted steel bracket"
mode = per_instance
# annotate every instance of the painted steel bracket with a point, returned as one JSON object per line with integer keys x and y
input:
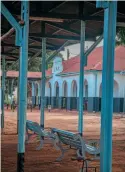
{"x": 102, "y": 4}
{"x": 14, "y": 23}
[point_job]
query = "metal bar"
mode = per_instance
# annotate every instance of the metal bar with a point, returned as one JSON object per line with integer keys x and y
{"x": 54, "y": 36}
{"x": 16, "y": 54}
{"x": 56, "y": 52}
{"x": 59, "y": 17}
{"x": 43, "y": 82}
{"x": 120, "y": 24}
{"x": 3, "y": 95}
{"x": 81, "y": 77}
{"x": 64, "y": 27}
{"x": 9, "y": 17}
{"x": 13, "y": 22}
{"x": 35, "y": 55}
{"x": 92, "y": 48}
{"x": 34, "y": 18}
{"x": 110, "y": 15}
{"x": 31, "y": 46}
{"x": 23, "y": 86}
{"x": 10, "y": 32}
{"x": 52, "y": 15}
{"x": 57, "y": 6}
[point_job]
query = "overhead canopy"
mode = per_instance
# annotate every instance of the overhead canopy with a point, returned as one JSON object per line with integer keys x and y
{"x": 62, "y": 23}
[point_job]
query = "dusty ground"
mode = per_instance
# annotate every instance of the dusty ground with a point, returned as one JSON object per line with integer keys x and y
{"x": 44, "y": 160}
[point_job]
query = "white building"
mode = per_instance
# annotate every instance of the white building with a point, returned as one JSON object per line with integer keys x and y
{"x": 62, "y": 83}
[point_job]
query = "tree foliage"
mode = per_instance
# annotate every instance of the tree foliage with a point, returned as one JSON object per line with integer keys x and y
{"x": 50, "y": 64}
{"x": 121, "y": 36}
{"x": 34, "y": 65}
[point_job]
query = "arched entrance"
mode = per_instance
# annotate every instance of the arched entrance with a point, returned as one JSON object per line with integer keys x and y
{"x": 48, "y": 93}
{"x": 56, "y": 94}
{"x": 64, "y": 101}
{"x": 115, "y": 95}
{"x": 74, "y": 95}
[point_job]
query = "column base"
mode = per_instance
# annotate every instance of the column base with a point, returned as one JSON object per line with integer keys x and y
{"x": 20, "y": 162}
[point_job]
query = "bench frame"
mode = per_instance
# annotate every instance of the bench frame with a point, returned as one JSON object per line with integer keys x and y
{"x": 75, "y": 138}
{"x": 45, "y": 136}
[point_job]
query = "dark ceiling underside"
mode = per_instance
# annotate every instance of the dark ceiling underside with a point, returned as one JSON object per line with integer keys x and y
{"x": 57, "y": 33}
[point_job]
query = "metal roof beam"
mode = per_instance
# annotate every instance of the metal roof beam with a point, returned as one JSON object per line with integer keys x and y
{"x": 56, "y": 52}
{"x": 10, "y": 32}
{"x": 33, "y": 46}
{"x": 54, "y": 36}
{"x": 39, "y": 39}
{"x": 56, "y": 16}
{"x": 9, "y": 60}
{"x": 77, "y": 38}
{"x": 16, "y": 54}
{"x": 64, "y": 27}
{"x": 57, "y": 6}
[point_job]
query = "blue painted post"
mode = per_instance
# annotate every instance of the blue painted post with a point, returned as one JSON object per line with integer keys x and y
{"x": 110, "y": 14}
{"x": 43, "y": 80}
{"x": 3, "y": 95}
{"x": 23, "y": 86}
{"x": 81, "y": 79}
{"x": 13, "y": 22}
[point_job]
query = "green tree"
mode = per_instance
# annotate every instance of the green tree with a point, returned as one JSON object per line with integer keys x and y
{"x": 121, "y": 36}
{"x": 34, "y": 65}
{"x": 50, "y": 64}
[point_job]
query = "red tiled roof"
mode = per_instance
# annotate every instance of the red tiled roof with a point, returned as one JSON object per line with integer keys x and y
{"x": 73, "y": 64}
{"x": 95, "y": 61}
{"x": 29, "y": 75}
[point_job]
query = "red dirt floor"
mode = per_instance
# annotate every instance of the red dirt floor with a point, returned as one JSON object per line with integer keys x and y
{"x": 44, "y": 159}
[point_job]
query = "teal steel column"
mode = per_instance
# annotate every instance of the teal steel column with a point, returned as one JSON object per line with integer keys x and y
{"x": 3, "y": 95}
{"x": 110, "y": 14}
{"x": 43, "y": 80}
{"x": 81, "y": 77}
{"x": 23, "y": 86}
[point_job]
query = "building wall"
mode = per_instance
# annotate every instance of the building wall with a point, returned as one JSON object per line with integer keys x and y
{"x": 94, "y": 81}
{"x": 55, "y": 96}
